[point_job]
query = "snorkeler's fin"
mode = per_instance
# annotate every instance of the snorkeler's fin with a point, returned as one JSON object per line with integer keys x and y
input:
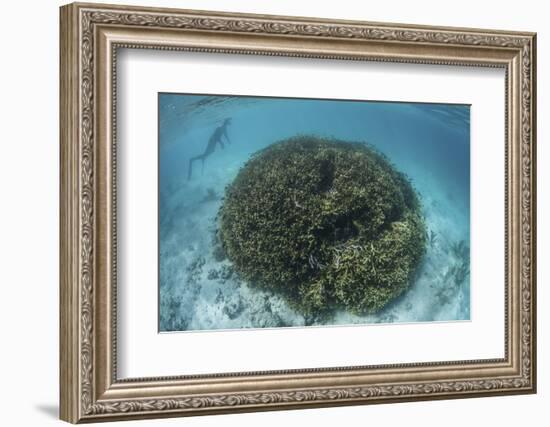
{"x": 190, "y": 169}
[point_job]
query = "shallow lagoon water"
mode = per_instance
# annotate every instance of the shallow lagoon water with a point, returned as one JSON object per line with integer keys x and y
{"x": 198, "y": 290}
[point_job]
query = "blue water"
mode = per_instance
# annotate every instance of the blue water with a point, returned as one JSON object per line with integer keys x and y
{"x": 430, "y": 143}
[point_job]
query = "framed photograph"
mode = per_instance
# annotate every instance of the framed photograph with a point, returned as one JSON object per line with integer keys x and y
{"x": 266, "y": 212}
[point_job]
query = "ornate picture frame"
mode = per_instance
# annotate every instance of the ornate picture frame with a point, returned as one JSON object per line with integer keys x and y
{"x": 91, "y": 34}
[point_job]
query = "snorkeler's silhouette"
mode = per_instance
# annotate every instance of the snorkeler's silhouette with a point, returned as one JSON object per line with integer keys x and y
{"x": 216, "y": 138}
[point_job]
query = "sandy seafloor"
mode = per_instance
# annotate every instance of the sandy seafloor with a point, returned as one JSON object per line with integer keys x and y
{"x": 200, "y": 291}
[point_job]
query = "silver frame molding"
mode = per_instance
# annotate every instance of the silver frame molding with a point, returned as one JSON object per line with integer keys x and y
{"x": 90, "y": 37}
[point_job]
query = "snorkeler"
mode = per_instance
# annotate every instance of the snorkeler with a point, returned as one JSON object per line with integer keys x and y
{"x": 216, "y": 138}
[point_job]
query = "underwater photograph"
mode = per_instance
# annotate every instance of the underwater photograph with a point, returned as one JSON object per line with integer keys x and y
{"x": 297, "y": 212}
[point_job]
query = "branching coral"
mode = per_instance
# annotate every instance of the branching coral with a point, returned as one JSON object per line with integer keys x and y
{"x": 325, "y": 223}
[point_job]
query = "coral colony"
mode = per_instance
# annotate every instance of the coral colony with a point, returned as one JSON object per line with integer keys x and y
{"x": 326, "y": 224}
